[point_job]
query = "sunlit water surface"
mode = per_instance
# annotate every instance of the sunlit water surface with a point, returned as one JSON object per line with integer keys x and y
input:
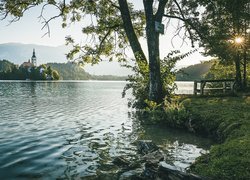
{"x": 74, "y": 130}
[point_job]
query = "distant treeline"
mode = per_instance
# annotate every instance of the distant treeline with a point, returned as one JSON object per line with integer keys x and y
{"x": 65, "y": 71}
{"x": 10, "y": 71}
{"x": 72, "y": 71}
{"x": 194, "y": 72}
{"x": 213, "y": 69}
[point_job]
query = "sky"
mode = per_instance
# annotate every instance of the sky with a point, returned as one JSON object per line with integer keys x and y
{"x": 28, "y": 31}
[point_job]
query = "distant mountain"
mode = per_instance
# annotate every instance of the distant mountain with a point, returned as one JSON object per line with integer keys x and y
{"x": 71, "y": 71}
{"x": 194, "y": 72}
{"x": 18, "y": 53}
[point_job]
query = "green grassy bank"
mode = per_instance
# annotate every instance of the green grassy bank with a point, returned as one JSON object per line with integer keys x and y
{"x": 224, "y": 119}
{"x": 227, "y": 119}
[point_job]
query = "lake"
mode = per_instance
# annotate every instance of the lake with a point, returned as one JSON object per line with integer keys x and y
{"x": 74, "y": 129}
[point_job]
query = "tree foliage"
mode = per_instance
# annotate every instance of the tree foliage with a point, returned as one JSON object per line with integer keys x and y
{"x": 5, "y": 65}
{"x": 9, "y": 71}
{"x": 222, "y": 22}
{"x": 219, "y": 70}
{"x": 69, "y": 71}
{"x": 140, "y": 84}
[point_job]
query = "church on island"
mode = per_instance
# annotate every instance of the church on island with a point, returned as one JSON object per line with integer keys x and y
{"x": 31, "y": 63}
{"x": 29, "y": 71}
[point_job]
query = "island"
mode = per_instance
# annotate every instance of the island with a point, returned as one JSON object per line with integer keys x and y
{"x": 27, "y": 70}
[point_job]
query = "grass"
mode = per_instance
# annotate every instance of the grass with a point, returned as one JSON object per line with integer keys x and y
{"x": 227, "y": 119}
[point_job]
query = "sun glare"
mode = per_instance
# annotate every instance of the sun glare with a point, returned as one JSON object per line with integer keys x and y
{"x": 238, "y": 40}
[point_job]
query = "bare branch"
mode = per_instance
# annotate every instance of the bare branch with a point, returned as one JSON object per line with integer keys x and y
{"x": 174, "y": 17}
{"x": 113, "y": 4}
{"x": 188, "y": 21}
{"x": 183, "y": 17}
{"x": 45, "y": 21}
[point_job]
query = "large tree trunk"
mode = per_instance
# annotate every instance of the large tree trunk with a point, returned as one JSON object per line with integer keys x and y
{"x": 155, "y": 83}
{"x": 133, "y": 40}
{"x": 155, "y": 86}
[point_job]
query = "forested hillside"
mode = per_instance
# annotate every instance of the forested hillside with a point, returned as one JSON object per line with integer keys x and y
{"x": 70, "y": 71}
{"x": 194, "y": 72}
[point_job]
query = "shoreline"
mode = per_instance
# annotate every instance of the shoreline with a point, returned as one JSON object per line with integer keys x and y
{"x": 226, "y": 120}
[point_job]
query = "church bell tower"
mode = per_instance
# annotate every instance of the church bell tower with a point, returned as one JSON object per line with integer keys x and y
{"x": 33, "y": 58}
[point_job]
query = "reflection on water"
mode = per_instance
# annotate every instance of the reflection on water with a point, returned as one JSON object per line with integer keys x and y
{"x": 74, "y": 129}
{"x": 184, "y": 87}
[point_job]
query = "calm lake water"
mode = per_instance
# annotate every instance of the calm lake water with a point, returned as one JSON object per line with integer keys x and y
{"x": 72, "y": 130}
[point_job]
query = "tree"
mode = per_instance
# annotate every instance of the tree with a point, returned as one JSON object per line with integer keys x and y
{"x": 6, "y": 66}
{"x": 114, "y": 25}
{"x": 49, "y": 71}
{"x": 224, "y": 23}
{"x": 55, "y": 75}
{"x": 220, "y": 71}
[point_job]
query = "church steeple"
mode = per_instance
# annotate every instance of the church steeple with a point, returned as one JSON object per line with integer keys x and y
{"x": 33, "y": 58}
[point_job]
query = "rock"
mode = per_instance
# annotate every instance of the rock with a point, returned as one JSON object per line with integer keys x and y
{"x": 151, "y": 164}
{"x": 135, "y": 164}
{"x": 168, "y": 166}
{"x": 146, "y": 146}
{"x": 132, "y": 175}
{"x": 154, "y": 157}
{"x": 167, "y": 171}
{"x": 121, "y": 161}
{"x": 150, "y": 171}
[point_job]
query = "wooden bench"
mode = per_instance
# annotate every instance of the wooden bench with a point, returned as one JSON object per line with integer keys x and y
{"x": 226, "y": 85}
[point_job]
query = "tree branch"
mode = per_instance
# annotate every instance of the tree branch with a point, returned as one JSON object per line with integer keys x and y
{"x": 45, "y": 21}
{"x": 160, "y": 12}
{"x": 188, "y": 21}
{"x": 114, "y": 5}
{"x": 103, "y": 39}
{"x": 131, "y": 35}
{"x": 182, "y": 15}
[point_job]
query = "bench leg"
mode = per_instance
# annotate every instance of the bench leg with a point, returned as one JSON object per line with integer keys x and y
{"x": 195, "y": 87}
{"x": 224, "y": 87}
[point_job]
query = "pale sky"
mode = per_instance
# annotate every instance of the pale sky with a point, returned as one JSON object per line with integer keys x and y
{"x": 28, "y": 31}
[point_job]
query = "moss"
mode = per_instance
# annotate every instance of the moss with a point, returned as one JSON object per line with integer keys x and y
{"x": 229, "y": 160}
{"x": 228, "y": 120}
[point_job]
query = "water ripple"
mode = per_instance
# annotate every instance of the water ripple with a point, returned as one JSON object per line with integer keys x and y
{"x": 70, "y": 130}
